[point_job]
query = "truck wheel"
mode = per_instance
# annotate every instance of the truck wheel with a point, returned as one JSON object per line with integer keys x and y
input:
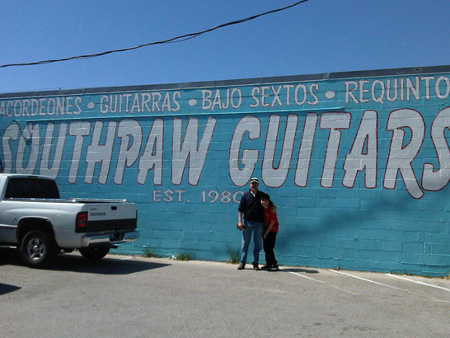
{"x": 96, "y": 253}
{"x": 37, "y": 249}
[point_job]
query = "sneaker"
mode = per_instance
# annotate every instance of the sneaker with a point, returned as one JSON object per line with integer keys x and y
{"x": 256, "y": 267}
{"x": 241, "y": 267}
{"x": 274, "y": 267}
{"x": 265, "y": 267}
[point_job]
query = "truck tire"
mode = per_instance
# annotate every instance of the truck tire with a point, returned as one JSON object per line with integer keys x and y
{"x": 95, "y": 253}
{"x": 37, "y": 249}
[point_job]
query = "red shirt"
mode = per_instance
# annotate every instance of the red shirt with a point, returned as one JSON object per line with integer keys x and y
{"x": 270, "y": 216}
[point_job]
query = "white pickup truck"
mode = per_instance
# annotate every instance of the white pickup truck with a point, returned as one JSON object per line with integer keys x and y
{"x": 34, "y": 219}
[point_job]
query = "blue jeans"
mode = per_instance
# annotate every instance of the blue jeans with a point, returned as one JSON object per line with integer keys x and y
{"x": 257, "y": 229}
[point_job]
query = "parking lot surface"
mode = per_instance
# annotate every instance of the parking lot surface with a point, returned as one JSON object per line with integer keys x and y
{"x": 130, "y": 296}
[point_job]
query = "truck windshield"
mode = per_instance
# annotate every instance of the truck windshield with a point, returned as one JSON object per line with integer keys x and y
{"x": 25, "y": 187}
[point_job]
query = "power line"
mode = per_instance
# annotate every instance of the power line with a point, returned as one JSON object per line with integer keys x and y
{"x": 180, "y": 38}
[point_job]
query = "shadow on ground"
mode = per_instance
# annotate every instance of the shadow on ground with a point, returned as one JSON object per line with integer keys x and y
{"x": 109, "y": 265}
{"x": 6, "y": 288}
{"x": 302, "y": 270}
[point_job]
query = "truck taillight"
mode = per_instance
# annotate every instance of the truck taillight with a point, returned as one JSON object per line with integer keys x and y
{"x": 81, "y": 221}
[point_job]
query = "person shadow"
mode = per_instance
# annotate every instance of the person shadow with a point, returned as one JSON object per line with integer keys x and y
{"x": 301, "y": 270}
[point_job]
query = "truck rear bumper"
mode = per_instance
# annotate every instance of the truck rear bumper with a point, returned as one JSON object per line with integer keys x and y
{"x": 109, "y": 239}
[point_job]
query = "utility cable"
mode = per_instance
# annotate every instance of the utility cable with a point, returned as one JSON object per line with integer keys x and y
{"x": 180, "y": 38}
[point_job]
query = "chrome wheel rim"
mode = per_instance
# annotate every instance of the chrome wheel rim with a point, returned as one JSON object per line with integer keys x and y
{"x": 36, "y": 249}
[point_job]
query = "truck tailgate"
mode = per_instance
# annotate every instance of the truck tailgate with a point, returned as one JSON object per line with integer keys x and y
{"x": 111, "y": 216}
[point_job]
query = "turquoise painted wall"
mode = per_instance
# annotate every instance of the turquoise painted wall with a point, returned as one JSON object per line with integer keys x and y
{"x": 357, "y": 163}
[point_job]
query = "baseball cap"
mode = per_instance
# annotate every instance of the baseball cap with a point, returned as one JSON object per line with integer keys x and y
{"x": 254, "y": 179}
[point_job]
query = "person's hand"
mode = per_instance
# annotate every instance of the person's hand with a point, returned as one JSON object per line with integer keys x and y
{"x": 240, "y": 226}
{"x": 265, "y": 236}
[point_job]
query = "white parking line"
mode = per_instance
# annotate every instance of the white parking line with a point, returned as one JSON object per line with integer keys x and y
{"x": 368, "y": 280}
{"x": 322, "y": 282}
{"x": 417, "y": 282}
{"x": 374, "y": 282}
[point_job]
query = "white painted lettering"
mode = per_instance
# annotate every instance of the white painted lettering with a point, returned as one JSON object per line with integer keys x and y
{"x": 271, "y": 176}
{"x": 188, "y": 148}
{"x": 334, "y": 122}
{"x": 363, "y": 155}
{"x": 79, "y": 130}
{"x": 153, "y": 154}
{"x": 28, "y": 147}
{"x": 239, "y": 176}
{"x": 304, "y": 154}
{"x": 130, "y": 134}
{"x": 401, "y": 157}
{"x": 437, "y": 180}
{"x": 45, "y": 168}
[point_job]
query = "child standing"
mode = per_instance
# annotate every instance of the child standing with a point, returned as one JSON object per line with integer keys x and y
{"x": 270, "y": 232}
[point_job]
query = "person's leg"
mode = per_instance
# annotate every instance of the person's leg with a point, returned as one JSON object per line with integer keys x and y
{"x": 274, "y": 236}
{"x": 266, "y": 251}
{"x": 269, "y": 244}
{"x": 257, "y": 239}
{"x": 246, "y": 237}
{"x": 272, "y": 239}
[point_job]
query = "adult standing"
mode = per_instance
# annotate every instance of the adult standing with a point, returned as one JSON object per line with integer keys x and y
{"x": 251, "y": 221}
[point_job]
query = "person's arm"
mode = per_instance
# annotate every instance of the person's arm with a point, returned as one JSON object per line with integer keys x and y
{"x": 272, "y": 223}
{"x": 240, "y": 225}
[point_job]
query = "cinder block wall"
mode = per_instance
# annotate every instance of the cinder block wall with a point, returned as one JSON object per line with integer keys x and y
{"x": 357, "y": 163}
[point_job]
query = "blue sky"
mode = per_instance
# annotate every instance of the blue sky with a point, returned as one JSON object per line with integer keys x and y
{"x": 319, "y": 36}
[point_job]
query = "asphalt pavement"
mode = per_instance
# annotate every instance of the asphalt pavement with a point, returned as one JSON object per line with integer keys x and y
{"x": 131, "y": 296}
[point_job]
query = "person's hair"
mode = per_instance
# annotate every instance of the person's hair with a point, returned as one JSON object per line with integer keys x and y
{"x": 266, "y": 197}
